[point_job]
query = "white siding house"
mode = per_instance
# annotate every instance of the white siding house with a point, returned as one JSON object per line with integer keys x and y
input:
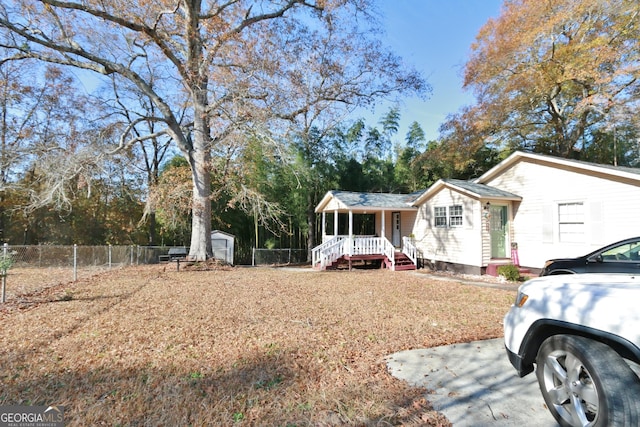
{"x": 463, "y": 225}
{"x": 525, "y": 210}
{"x": 568, "y": 208}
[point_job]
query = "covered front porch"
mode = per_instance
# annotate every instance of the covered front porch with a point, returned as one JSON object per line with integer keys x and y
{"x": 362, "y": 228}
{"x": 360, "y": 249}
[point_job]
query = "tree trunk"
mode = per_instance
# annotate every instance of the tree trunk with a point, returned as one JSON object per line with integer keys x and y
{"x": 200, "y": 248}
{"x": 311, "y": 224}
{"x": 152, "y": 229}
{"x": 200, "y": 161}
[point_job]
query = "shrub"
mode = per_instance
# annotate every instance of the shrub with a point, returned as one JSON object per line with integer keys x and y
{"x": 509, "y": 272}
{"x": 5, "y": 263}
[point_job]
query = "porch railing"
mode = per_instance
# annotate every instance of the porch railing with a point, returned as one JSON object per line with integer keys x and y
{"x": 390, "y": 251}
{"x": 409, "y": 249}
{"x": 334, "y": 248}
{"x": 328, "y": 252}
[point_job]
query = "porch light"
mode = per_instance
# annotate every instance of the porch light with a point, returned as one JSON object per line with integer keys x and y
{"x": 487, "y": 206}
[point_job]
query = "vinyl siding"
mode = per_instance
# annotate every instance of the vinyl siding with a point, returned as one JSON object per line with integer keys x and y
{"x": 610, "y": 205}
{"x": 460, "y": 245}
{"x": 407, "y": 220}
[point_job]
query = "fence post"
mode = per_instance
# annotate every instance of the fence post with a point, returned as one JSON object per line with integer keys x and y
{"x": 253, "y": 257}
{"x": 131, "y": 257}
{"x": 75, "y": 262}
{"x": 109, "y": 256}
{"x": 3, "y": 273}
{"x": 289, "y": 255}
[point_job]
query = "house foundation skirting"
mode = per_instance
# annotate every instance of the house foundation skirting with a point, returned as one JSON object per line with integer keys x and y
{"x": 435, "y": 265}
{"x": 450, "y": 266}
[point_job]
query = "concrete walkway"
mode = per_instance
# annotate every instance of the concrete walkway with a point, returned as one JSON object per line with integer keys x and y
{"x": 474, "y": 384}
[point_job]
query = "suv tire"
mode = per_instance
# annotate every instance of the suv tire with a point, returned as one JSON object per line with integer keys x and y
{"x": 586, "y": 383}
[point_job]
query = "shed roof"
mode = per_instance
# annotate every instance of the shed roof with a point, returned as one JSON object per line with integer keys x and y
{"x": 218, "y": 232}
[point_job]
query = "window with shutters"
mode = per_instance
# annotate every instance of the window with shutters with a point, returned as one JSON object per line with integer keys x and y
{"x": 571, "y": 222}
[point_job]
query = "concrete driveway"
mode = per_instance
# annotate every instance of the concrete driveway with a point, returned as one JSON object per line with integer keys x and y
{"x": 474, "y": 384}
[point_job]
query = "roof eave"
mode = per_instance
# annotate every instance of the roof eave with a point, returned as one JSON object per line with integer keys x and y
{"x": 324, "y": 202}
{"x": 518, "y": 155}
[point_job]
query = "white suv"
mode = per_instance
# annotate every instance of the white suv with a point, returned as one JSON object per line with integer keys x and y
{"x": 582, "y": 332}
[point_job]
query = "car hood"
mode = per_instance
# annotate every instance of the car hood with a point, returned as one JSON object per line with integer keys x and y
{"x": 586, "y": 280}
{"x": 574, "y": 259}
{"x": 564, "y": 259}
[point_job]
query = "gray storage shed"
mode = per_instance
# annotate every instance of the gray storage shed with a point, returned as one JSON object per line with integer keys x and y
{"x": 222, "y": 245}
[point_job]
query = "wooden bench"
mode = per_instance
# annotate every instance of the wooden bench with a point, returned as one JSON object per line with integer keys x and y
{"x": 174, "y": 255}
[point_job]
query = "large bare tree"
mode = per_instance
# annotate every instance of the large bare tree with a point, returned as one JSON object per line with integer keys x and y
{"x": 229, "y": 63}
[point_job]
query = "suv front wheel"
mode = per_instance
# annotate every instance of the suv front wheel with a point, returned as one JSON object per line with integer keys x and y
{"x": 586, "y": 383}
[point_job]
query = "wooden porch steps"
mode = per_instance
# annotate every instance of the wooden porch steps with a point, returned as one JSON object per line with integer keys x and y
{"x": 403, "y": 262}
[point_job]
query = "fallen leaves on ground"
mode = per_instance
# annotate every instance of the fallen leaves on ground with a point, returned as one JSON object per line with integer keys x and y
{"x": 148, "y": 346}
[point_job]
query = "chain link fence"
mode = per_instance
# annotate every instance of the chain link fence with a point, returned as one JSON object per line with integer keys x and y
{"x": 25, "y": 270}
{"x": 278, "y": 256}
{"x": 33, "y": 268}
{"x": 83, "y": 256}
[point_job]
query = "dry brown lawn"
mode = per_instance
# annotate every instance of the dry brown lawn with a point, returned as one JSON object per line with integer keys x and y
{"x": 148, "y": 346}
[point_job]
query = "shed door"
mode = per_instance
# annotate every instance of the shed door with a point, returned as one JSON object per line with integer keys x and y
{"x": 498, "y": 231}
{"x": 395, "y": 233}
{"x": 220, "y": 249}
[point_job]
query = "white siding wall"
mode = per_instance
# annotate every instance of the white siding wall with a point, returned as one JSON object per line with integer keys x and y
{"x": 407, "y": 219}
{"x": 611, "y": 210}
{"x": 333, "y": 205}
{"x": 460, "y": 245}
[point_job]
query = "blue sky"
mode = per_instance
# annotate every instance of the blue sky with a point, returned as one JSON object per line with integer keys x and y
{"x": 435, "y": 37}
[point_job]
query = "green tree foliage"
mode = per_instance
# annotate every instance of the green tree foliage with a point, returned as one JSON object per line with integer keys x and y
{"x": 407, "y": 172}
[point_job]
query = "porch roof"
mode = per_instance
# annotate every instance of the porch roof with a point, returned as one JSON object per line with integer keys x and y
{"x": 472, "y": 189}
{"x": 360, "y": 202}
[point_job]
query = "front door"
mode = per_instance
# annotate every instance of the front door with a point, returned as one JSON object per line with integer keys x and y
{"x": 395, "y": 229}
{"x": 498, "y": 231}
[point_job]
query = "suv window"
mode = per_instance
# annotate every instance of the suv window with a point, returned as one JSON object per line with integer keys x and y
{"x": 625, "y": 252}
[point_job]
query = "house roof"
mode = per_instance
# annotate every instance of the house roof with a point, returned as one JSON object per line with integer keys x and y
{"x": 469, "y": 188}
{"x": 478, "y": 189}
{"x": 368, "y": 201}
{"x": 579, "y": 165}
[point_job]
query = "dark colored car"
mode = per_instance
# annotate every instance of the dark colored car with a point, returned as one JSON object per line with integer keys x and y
{"x": 619, "y": 257}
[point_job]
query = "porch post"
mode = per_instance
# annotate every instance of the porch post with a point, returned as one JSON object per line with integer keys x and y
{"x": 324, "y": 226}
{"x": 335, "y": 222}
{"x": 383, "y": 230}
{"x": 351, "y": 232}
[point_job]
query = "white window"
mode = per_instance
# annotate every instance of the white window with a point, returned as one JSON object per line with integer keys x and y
{"x": 571, "y": 222}
{"x": 440, "y": 214}
{"x": 448, "y": 216}
{"x": 455, "y": 216}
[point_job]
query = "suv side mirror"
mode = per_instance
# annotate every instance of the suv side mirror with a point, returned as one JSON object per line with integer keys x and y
{"x": 595, "y": 258}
